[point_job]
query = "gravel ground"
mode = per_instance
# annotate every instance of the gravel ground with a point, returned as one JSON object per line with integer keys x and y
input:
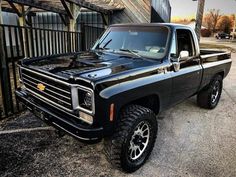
{"x": 191, "y": 142}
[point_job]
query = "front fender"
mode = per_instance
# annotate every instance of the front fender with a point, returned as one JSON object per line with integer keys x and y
{"x": 126, "y": 92}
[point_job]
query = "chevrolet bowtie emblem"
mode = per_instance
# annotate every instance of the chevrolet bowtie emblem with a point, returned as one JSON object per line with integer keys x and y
{"x": 41, "y": 87}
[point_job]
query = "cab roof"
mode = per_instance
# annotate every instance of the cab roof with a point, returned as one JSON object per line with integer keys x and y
{"x": 170, "y": 25}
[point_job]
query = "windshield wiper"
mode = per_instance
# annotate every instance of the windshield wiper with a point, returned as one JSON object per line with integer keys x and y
{"x": 131, "y": 51}
{"x": 104, "y": 46}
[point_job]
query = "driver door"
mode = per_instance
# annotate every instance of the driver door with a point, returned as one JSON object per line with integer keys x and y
{"x": 185, "y": 81}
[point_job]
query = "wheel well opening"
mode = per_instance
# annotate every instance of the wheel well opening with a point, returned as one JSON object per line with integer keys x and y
{"x": 151, "y": 102}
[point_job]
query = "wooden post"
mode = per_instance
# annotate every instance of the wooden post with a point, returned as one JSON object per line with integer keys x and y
{"x": 22, "y": 17}
{"x": 106, "y": 19}
{"x": 75, "y": 11}
{"x": 22, "y": 23}
{"x": 200, "y": 12}
{"x": 4, "y": 74}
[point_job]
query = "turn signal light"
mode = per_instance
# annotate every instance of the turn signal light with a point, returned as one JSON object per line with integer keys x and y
{"x": 112, "y": 106}
{"x": 86, "y": 117}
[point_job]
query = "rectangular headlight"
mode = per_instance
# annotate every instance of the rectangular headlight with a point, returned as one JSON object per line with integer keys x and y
{"x": 86, "y": 99}
{"x": 83, "y": 99}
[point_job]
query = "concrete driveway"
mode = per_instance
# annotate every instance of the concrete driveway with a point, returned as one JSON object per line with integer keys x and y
{"x": 191, "y": 142}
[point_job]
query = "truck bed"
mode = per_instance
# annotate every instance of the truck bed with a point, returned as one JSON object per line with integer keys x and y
{"x": 210, "y": 52}
{"x": 214, "y": 61}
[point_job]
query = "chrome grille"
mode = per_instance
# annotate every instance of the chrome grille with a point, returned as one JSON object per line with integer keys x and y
{"x": 56, "y": 92}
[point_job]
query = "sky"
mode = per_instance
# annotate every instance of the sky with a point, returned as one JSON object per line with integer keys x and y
{"x": 188, "y": 8}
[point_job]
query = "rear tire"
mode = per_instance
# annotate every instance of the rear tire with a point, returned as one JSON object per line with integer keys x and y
{"x": 209, "y": 97}
{"x": 133, "y": 140}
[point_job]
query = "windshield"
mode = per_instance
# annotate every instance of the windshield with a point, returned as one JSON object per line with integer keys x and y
{"x": 150, "y": 42}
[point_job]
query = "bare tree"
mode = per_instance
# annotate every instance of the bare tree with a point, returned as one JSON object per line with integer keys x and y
{"x": 207, "y": 21}
{"x": 215, "y": 16}
{"x": 211, "y": 19}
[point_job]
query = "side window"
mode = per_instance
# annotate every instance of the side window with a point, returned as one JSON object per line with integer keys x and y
{"x": 185, "y": 42}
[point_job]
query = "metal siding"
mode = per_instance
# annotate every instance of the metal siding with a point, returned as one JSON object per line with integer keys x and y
{"x": 143, "y": 11}
{"x": 135, "y": 11}
{"x": 162, "y": 8}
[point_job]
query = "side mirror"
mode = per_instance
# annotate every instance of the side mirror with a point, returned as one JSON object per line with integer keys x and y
{"x": 176, "y": 61}
{"x": 183, "y": 55}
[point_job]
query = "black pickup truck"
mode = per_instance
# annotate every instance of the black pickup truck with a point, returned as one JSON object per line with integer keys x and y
{"x": 116, "y": 90}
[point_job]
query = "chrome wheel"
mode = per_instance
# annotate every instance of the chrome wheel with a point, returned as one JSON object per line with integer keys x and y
{"x": 139, "y": 140}
{"x": 215, "y": 92}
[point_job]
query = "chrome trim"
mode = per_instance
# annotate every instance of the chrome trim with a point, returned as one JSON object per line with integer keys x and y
{"x": 215, "y": 63}
{"x": 46, "y": 99}
{"x": 78, "y": 107}
{"x": 20, "y": 73}
{"x": 43, "y": 75}
{"x": 46, "y": 84}
{"x": 49, "y": 96}
{"x": 215, "y": 55}
{"x": 74, "y": 93}
{"x": 67, "y": 112}
{"x": 74, "y": 97}
{"x": 69, "y": 98}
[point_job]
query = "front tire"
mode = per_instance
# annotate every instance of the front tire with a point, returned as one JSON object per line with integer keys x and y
{"x": 133, "y": 140}
{"x": 209, "y": 97}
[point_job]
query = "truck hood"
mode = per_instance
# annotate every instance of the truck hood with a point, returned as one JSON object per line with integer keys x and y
{"x": 89, "y": 65}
